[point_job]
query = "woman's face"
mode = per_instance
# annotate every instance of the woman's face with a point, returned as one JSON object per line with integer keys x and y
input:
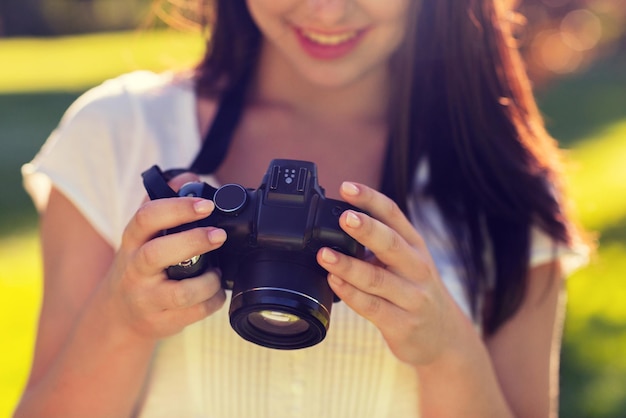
{"x": 332, "y": 42}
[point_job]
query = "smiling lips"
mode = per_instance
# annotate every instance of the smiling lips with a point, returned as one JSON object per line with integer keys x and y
{"x": 329, "y": 39}
{"x": 328, "y": 46}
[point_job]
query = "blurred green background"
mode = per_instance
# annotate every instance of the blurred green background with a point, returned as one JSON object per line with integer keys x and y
{"x": 576, "y": 54}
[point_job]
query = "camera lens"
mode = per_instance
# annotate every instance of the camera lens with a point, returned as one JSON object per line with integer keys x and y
{"x": 277, "y": 322}
{"x": 281, "y": 300}
{"x": 278, "y": 318}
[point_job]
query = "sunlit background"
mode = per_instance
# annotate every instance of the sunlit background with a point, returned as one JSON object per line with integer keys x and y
{"x": 53, "y": 50}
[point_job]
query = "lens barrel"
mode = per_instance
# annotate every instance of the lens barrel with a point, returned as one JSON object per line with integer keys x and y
{"x": 281, "y": 301}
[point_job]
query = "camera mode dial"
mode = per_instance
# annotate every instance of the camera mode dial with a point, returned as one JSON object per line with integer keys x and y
{"x": 230, "y": 198}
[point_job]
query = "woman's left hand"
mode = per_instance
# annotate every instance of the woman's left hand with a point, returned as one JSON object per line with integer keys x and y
{"x": 401, "y": 294}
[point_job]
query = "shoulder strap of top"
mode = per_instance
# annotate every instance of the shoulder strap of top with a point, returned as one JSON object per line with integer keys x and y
{"x": 217, "y": 140}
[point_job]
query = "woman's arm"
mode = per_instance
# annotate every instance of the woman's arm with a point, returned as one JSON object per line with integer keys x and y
{"x": 103, "y": 313}
{"x": 459, "y": 374}
{"x": 525, "y": 351}
{"x": 517, "y": 368}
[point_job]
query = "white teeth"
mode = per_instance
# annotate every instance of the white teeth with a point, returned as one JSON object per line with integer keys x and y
{"x": 324, "y": 39}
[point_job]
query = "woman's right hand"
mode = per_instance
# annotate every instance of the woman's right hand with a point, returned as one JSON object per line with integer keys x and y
{"x": 103, "y": 311}
{"x": 149, "y": 304}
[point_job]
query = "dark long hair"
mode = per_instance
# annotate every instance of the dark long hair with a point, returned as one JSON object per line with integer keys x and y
{"x": 463, "y": 104}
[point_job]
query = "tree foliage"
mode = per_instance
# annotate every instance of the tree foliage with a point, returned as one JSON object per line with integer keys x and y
{"x": 65, "y": 17}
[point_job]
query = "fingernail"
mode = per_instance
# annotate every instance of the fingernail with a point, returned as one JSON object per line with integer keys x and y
{"x": 350, "y": 189}
{"x": 204, "y": 206}
{"x": 217, "y": 236}
{"x": 329, "y": 256}
{"x": 352, "y": 220}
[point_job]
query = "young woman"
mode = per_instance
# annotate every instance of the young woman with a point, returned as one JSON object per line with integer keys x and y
{"x": 419, "y": 114}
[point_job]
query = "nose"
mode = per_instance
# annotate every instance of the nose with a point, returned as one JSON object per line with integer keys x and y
{"x": 329, "y": 12}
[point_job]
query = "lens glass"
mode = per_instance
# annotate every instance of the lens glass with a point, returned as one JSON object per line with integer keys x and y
{"x": 277, "y": 322}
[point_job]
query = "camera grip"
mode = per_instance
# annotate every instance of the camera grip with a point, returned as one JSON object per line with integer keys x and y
{"x": 328, "y": 231}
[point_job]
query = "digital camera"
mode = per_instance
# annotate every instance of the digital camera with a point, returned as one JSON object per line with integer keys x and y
{"x": 280, "y": 296}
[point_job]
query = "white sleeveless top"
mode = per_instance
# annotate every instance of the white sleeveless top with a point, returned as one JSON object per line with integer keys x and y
{"x": 106, "y": 139}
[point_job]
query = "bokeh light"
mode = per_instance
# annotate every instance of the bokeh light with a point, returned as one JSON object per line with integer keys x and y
{"x": 581, "y": 30}
{"x": 565, "y": 36}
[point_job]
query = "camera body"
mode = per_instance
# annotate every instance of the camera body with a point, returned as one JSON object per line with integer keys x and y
{"x": 280, "y": 296}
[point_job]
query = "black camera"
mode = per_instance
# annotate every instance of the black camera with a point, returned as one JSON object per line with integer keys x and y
{"x": 280, "y": 296}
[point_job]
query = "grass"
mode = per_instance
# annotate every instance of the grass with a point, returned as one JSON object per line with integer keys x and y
{"x": 586, "y": 112}
{"x": 74, "y": 63}
{"x": 600, "y": 163}
{"x": 588, "y": 115}
{"x": 20, "y": 294}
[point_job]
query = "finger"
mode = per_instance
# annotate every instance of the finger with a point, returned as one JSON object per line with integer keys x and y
{"x": 179, "y": 181}
{"x": 182, "y": 294}
{"x": 370, "y": 279}
{"x": 386, "y": 244}
{"x": 159, "y": 253}
{"x": 180, "y": 318}
{"x": 157, "y": 215}
{"x": 382, "y": 208}
{"x": 378, "y": 310}
{"x": 209, "y": 306}
{"x": 399, "y": 327}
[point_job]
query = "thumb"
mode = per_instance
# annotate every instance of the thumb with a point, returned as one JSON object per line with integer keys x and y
{"x": 181, "y": 179}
